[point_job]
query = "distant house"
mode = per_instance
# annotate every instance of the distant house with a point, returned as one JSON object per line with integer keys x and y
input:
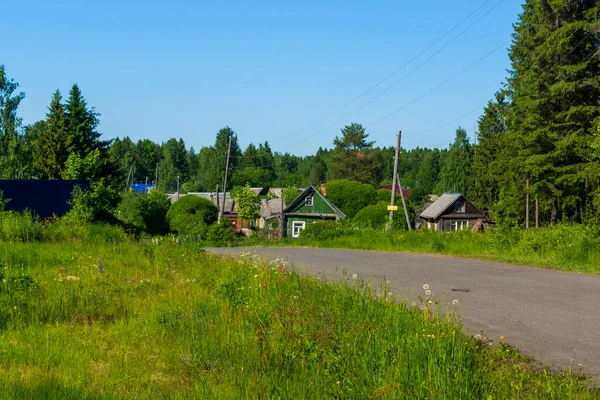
{"x": 269, "y": 209}
{"x": 405, "y": 191}
{"x": 310, "y": 206}
{"x": 453, "y": 212}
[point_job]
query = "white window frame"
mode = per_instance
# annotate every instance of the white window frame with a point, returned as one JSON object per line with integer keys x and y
{"x": 459, "y": 225}
{"x": 308, "y": 201}
{"x": 297, "y": 227}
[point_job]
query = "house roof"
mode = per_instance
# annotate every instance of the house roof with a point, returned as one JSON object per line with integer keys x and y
{"x": 440, "y": 205}
{"x": 405, "y": 191}
{"x": 269, "y": 208}
{"x": 313, "y": 189}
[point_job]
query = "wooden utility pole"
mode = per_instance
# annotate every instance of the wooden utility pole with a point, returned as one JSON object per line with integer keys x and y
{"x": 217, "y": 192}
{"x": 404, "y": 204}
{"x": 225, "y": 181}
{"x": 527, "y": 202}
{"x": 130, "y": 174}
{"x": 395, "y": 178}
{"x": 281, "y": 217}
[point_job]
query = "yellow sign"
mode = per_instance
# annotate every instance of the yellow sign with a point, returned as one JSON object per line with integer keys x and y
{"x": 392, "y": 208}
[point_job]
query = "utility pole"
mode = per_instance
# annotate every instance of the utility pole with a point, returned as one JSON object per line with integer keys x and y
{"x": 225, "y": 181}
{"x": 527, "y": 202}
{"x": 404, "y": 204}
{"x": 130, "y": 174}
{"x": 177, "y": 187}
{"x": 281, "y": 216}
{"x": 395, "y": 178}
{"x": 218, "y": 206}
{"x": 156, "y": 176}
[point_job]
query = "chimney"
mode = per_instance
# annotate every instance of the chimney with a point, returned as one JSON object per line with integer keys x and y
{"x": 323, "y": 189}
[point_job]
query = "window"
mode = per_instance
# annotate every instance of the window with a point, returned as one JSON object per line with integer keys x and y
{"x": 459, "y": 207}
{"x": 459, "y": 225}
{"x": 297, "y": 227}
{"x": 308, "y": 201}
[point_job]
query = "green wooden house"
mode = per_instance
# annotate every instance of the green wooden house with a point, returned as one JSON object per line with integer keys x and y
{"x": 310, "y": 206}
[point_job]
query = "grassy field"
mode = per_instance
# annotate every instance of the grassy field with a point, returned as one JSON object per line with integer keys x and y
{"x": 166, "y": 320}
{"x": 564, "y": 247}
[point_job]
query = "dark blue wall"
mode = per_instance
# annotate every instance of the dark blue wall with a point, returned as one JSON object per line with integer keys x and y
{"x": 43, "y": 198}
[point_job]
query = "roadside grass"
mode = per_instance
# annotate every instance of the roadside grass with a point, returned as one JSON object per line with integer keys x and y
{"x": 564, "y": 247}
{"x": 167, "y": 320}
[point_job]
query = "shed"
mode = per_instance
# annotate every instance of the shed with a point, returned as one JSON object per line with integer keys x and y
{"x": 310, "y": 206}
{"x": 453, "y": 212}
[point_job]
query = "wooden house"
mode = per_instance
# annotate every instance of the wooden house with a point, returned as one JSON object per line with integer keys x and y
{"x": 453, "y": 212}
{"x": 310, "y": 206}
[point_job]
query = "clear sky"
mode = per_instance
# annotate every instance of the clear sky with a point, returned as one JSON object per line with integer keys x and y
{"x": 161, "y": 69}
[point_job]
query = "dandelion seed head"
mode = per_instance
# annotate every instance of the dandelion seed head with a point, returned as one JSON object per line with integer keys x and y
{"x": 428, "y": 292}
{"x": 455, "y": 302}
{"x": 425, "y": 287}
{"x": 478, "y": 336}
{"x": 354, "y": 276}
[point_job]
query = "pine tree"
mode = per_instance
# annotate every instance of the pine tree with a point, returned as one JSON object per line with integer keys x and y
{"x": 13, "y": 147}
{"x": 81, "y": 124}
{"x": 50, "y": 150}
{"x": 172, "y": 165}
{"x": 351, "y": 159}
{"x": 456, "y": 173}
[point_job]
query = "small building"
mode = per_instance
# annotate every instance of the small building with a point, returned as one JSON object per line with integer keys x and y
{"x": 310, "y": 206}
{"x": 406, "y": 192}
{"x": 453, "y": 212}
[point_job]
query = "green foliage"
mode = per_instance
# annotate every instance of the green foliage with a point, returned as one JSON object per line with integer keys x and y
{"x": 14, "y": 148}
{"x": 191, "y": 214}
{"x": 83, "y": 168}
{"x": 3, "y": 201}
{"x": 374, "y": 216}
{"x": 81, "y": 211}
{"x": 456, "y": 173}
{"x": 383, "y": 195}
{"x": 247, "y": 203}
{"x": 172, "y": 165}
{"x": 351, "y": 158}
{"x": 146, "y": 212}
{"x": 350, "y": 196}
{"x": 19, "y": 227}
{"x": 290, "y": 194}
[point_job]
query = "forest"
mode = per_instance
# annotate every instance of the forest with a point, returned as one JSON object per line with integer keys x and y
{"x": 537, "y": 143}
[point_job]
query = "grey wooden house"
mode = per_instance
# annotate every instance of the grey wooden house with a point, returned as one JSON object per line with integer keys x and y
{"x": 453, "y": 212}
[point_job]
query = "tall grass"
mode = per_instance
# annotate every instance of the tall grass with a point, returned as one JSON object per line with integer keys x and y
{"x": 564, "y": 246}
{"x": 166, "y": 320}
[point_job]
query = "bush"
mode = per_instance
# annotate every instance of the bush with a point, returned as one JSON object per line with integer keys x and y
{"x": 373, "y": 216}
{"x": 191, "y": 214}
{"x": 349, "y": 196}
{"x": 325, "y": 230}
{"x": 145, "y": 211}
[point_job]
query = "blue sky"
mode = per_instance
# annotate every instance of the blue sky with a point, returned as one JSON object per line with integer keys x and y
{"x": 267, "y": 69}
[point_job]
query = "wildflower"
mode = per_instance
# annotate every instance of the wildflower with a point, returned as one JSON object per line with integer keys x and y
{"x": 501, "y": 337}
{"x": 425, "y": 287}
{"x": 15, "y": 307}
{"x": 354, "y": 276}
{"x": 429, "y": 301}
{"x": 478, "y": 336}
{"x": 390, "y": 294}
{"x": 414, "y": 304}
{"x": 72, "y": 278}
{"x": 256, "y": 276}
{"x": 428, "y": 292}
{"x": 455, "y": 302}
{"x": 295, "y": 297}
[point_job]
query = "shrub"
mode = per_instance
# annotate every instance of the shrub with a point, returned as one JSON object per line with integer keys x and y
{"x": 349, "y": 196}
{"x": 191, "y": 214}
{"x": 219, "y": 233}
{"x": 145, "y": 211}
{"x": 19, "y": 227}
{"x": 373, "y": 216}
{"x": 325, "y": 230}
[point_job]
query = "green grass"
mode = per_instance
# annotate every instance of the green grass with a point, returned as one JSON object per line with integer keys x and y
{"x": 563, "y": 247}
{"x": 167, "y": 320}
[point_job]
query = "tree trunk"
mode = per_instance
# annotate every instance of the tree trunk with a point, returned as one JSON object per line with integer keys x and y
{"x": 537, "y": 213}
{"x": 527, "y": 203}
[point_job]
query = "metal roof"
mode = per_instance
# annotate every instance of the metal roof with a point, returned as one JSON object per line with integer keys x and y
{"x": 440, "y": 205}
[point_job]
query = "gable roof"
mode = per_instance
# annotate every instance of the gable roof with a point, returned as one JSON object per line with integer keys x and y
{"x": 306, "y": 191}
{"x": 440, "y": 205}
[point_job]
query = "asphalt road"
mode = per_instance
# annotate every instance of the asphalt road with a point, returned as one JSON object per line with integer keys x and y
{"x": 553, "y": 316}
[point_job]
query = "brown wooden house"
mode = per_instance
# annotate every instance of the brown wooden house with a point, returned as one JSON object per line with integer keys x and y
{"x": 453, "y": 212}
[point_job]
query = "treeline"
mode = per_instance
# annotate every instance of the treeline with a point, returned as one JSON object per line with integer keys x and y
{"x": 538, "y": 138}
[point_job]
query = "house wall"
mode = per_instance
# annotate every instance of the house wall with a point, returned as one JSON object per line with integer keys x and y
{"x": 307, "y": 221}
{"x": 319, "y": 206}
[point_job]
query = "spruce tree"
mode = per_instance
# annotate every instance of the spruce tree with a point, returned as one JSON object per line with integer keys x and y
{"x": 556, "y": 91}
{"x": 50, "y": 151}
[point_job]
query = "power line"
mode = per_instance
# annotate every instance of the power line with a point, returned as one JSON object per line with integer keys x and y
{"x": 397, "y": 70}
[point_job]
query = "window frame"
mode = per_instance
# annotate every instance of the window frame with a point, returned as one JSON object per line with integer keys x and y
{"x": 300, "y": 225}
{"x": 307, "y": 200}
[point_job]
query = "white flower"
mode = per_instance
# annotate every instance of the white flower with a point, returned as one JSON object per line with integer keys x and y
{"x": 428, "y": 292}
{"x": 15, "y": 307}
{"x": 256, "y": 276}
{"x": 478, "y": 336}
{"x": 295, "y": 297}
{"x": 72, "y": 278}
{"x": 455, "y": 302}
{"x": 425, "y": 287}
{"x": 390, "y": 294}
{"x": 354, "y": 276}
